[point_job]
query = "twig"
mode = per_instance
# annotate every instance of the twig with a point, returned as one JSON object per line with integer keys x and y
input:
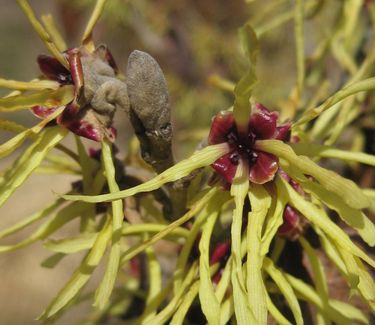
{"x": 150, "y": 116}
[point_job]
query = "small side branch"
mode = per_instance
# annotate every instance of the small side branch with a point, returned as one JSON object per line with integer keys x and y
{"x": 150, "y": 116}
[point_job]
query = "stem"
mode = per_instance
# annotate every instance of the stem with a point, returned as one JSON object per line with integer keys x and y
{"x": 300, "y": 51}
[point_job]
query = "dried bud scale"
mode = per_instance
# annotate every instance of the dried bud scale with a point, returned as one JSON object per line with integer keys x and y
{"x": 97, "y": 92}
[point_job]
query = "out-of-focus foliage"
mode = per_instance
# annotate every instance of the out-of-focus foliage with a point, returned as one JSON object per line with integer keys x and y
{"x": 222, "y": 257}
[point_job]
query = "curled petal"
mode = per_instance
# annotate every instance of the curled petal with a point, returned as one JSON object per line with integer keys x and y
{"x": 282, "y": 132}
{"x": 284, "y": 175}
{"x": 222, "y": 125}
{"x": 225, "y": 167}
{"x": 264, "y": 168}
{"x": 86, "y": 130}
{"x": 295, "y": 139}
{"x": 42, "y": 111}
{"x": 111, "y": 61}
{"x": 298, "y": 188}
{"x": 69, "y": 114}
{"x": 105, "y": 54}
{"x": 85, "y": 123}
{"x": 217, "y": 276}
{"x": 111, "y": 133}
{"x": 295, "y": 185}
{"x": 220, "y": 252}
{"x": 293, "y": 224}
{"x": 74, "y": 59}
{"x": 135, "y": 266}
{"x": 263, "y": 122}
{"x": 261, "y": 108}
{"x": 53, "y": 69}
{"x": 95, "y": 153}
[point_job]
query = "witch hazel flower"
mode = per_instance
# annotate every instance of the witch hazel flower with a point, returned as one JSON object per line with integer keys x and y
{"x": 262, "y": 166}
{"x": 97, "y": 91}
{"x": 262, "y": 125}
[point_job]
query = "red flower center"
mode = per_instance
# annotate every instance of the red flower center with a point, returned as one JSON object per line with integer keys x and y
{"x": 242, "y": 147}
{"x": 262, "y": 125}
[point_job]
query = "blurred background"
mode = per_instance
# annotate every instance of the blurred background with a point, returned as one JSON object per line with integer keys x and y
{"x": 192, "y": 40}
